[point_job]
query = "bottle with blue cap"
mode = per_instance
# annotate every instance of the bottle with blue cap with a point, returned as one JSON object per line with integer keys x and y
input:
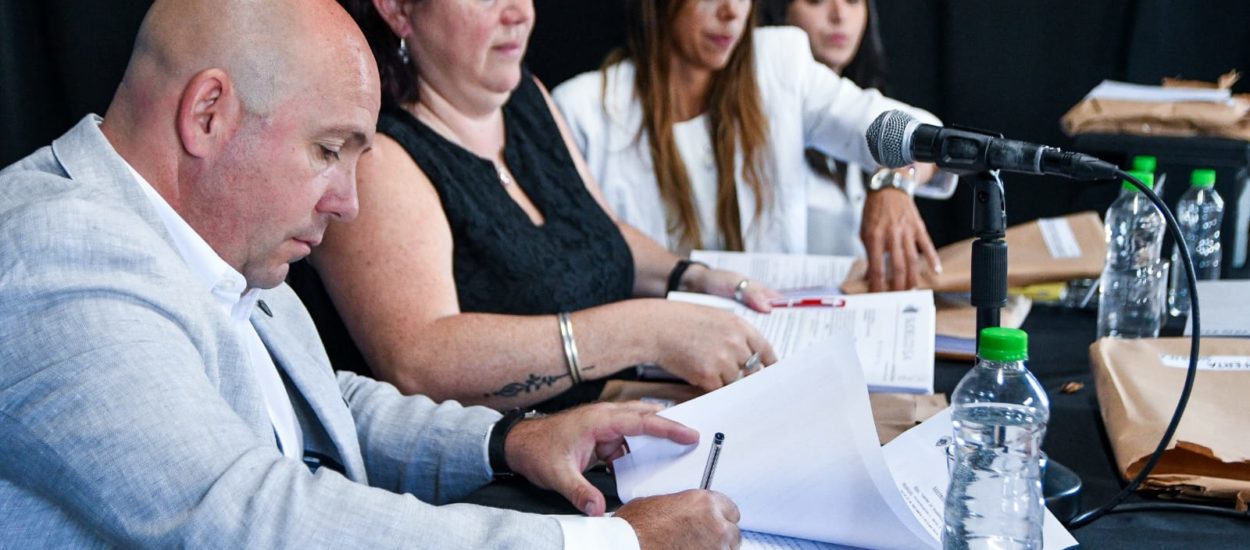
{"x": 999, "y": 414}
{"x": 1199, "y": 214}
{"x": 1133, "y": 283}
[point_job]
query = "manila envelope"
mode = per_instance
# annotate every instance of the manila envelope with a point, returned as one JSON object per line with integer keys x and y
{"x": 1030, "y": 259}
{"x": 1209, "y": 457}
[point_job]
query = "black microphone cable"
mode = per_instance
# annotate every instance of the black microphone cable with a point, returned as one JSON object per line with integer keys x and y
{"x": 1191, "y": 276}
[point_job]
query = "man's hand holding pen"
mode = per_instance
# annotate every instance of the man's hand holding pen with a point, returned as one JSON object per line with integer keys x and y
{"x": 554, "y": 451}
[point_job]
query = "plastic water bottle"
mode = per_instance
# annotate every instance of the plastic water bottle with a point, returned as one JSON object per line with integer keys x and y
{"x": 999, "y": 416}
{"x": 1199, "y": 214}
{"x": 1150, "y": 165}
{"x": 1130, "y": 303}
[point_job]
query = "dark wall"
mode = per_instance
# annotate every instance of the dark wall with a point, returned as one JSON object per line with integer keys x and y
{"x": 1012, "y": 66}
{"x": 1017, "y": 66}
{"x": 59, "y": 60}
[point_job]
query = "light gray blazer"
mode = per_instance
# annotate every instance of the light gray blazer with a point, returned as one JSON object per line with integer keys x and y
{"x": 129, "y": 418}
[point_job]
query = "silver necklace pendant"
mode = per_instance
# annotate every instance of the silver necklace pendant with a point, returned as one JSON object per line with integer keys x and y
{"x": 504, "y": 178}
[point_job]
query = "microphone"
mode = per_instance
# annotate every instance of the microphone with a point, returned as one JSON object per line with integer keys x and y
{"x": 897, "y": 139}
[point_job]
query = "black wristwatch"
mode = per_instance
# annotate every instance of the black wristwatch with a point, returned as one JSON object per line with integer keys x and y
{"x": 674, "y": 276}
{"x": 499, "y": 435}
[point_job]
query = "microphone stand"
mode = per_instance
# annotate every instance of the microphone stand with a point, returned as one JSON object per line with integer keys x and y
{"x": 989, "y": 251}
{"x": 989, "y": 295}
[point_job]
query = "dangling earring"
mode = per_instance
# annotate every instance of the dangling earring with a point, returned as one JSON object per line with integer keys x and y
{"x": 403, "y": 52}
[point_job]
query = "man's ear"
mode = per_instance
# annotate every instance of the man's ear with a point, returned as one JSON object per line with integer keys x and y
{"x": 209, "y": 112}
{"x": 395, "y": 13}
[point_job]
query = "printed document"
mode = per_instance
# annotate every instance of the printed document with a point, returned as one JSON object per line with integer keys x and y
{"x": 892, "y": 331}
{"x": 800, "y": 459}
{"x": 1223, "y": 305}
{"x": 786, "y": 273}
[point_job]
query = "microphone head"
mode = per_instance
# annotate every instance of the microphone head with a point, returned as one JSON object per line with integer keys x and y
{"x": 889, "y": 139}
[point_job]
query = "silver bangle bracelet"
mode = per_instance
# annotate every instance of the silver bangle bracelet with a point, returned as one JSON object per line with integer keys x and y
{"x": 570, "y": 347}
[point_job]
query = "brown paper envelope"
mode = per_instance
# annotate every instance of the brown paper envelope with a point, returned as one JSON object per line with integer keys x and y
{"x": 1028, "y": 259}
{"x": 1154, "y": 118}
{"x": 1210, "y": 453}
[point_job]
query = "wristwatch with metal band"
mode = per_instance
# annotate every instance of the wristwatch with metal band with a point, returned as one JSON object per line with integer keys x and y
{"x": 886, "y": 178}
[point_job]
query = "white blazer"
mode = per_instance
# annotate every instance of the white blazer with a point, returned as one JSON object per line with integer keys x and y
{"x": 807, "y": 105}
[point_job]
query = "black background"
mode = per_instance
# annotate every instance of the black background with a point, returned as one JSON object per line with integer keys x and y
{"x": 1012, "y": 66}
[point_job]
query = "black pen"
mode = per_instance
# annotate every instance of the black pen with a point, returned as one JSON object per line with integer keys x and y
{"x": 713, "y": 455}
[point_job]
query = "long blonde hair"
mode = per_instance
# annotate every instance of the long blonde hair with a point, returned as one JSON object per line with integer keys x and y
{"x": 735, "y": 118}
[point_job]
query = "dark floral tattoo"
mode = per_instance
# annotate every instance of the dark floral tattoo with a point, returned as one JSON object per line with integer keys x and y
{"x": 531, "y": 384}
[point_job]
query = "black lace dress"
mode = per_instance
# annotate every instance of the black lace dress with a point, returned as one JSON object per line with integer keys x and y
{"x": 502, "y": 261}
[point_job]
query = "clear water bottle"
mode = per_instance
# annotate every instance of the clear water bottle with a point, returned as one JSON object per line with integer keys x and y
{"x": 1133, "y": 288}
{"x": 999, "y": 415}
{"x": 1150, "y": 165}
{"x": 1199, "y": 214}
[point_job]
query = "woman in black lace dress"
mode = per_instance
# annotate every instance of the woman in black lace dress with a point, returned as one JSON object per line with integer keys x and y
{"x": 484, "y": 266}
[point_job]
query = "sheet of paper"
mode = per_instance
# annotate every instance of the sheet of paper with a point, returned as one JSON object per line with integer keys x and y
{"x": 800, "y": 456}
{"x": 893, "y": 332}
{"x": 783, "y": 272}
{"x": 752, "y": 540}
{"x": 1060, "y": 240}
{"x": 1223, "y": 305}
{"x": 917, "y": 459}
{"x": 1124, "y": 91}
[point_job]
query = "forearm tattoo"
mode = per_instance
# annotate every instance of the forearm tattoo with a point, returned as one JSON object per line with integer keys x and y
{"x": 531, "y": 384}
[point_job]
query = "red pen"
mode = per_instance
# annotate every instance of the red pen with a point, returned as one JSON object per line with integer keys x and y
{"x": 809, "y": 302}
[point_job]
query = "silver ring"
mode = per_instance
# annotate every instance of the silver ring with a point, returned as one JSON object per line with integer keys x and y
{"x": 738, "y": 290}
{"x": 753, "y": 364}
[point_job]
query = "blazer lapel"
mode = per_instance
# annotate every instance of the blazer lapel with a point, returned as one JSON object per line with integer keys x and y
{"x": 317, "y": 385}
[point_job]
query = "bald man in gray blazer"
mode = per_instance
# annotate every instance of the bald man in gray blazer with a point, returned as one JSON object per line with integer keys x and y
{"x": 160, "y": 386}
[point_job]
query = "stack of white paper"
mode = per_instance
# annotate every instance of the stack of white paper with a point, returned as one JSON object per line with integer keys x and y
{"x": 801, "y": 460}
{"x": 1125, "y": 91}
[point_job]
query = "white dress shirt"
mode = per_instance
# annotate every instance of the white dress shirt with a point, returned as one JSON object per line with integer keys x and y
{"x": 806, "y": 104}
{"x": 229, "y": 288}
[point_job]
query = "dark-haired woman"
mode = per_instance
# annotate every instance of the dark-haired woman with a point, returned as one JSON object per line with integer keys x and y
{"x": 696, "y": 132}
{"x": 484, "y": 266}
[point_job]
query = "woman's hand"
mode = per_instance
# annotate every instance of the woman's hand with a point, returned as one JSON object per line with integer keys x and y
{"x": 704, "y": 346}
{"x": 893, "y": 225}
{"x": 720, "y": 282}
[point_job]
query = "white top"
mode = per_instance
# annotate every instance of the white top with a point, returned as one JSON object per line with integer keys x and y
{"x": 807, "y": 105}
{"x": 834, "y": 214}
{"x": 230, "y": 290}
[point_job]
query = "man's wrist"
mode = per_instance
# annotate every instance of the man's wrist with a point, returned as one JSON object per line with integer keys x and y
{"x": 496, "y": 447}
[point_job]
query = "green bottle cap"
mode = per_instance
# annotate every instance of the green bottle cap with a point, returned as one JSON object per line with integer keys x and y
{"x": 1003, "y": 344}
{"x": 1145, "y": 163}
{"x": 1203, "y": 177}
{"x": 1145, "y": 177}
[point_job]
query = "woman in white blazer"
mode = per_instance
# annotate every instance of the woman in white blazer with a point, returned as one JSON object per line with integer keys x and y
{"x": 697, "y": 129}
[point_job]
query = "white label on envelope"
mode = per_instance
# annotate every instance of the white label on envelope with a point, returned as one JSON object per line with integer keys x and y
{"x": 1208, "y": 362}
{"x": 1060, "y": 239}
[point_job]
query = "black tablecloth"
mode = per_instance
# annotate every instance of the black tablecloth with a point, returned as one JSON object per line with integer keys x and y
{"x": 1059, "y": 348}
